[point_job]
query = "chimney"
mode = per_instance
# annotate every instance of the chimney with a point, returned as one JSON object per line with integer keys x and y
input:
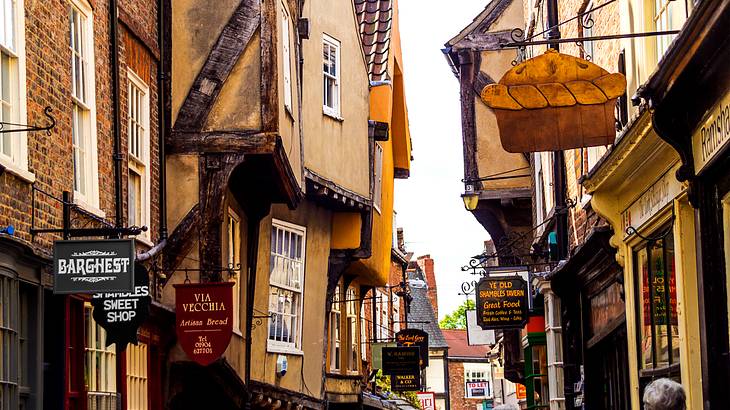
{"x": 426, "y": 264}
{"x": 401, "y": 241}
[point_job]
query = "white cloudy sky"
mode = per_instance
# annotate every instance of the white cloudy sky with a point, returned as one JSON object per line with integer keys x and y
{"x": 428, "y": 203}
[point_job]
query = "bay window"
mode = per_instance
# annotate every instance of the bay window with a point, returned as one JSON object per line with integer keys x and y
{"x": 286, "y": 286}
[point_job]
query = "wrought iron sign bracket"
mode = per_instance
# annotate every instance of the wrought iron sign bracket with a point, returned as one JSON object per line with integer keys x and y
{"x": 520, "y": 44}
{"x": 30, "y": 128}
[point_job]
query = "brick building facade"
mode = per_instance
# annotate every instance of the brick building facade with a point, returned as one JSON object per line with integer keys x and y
{"x": 467, "y": 364}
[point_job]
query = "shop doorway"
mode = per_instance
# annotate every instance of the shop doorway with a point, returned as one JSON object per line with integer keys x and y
{"x": 607, "y": 372}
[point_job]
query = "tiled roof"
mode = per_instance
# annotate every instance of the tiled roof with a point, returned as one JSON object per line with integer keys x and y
{"x": 421, "y": 315}
{"x": 375, "y": 18}
{"x": 459, "y": 345}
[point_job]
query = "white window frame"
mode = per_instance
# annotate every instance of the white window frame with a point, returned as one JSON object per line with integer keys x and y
{"x": 662, "y": 18}
{"x": 286, "y": 56}
{"x": 378, "y": 177}
{"x": 140, "y": 164}
{"x": 336, "y": 331}
{"x": 351, "y": 323}
{"x": 17, "y": 162}
{"x": 471, "y": 370}
{"x": 96, "y": 351}
{"x": 336, "y": 110}
{"x": 233, "y": 230}
{"x": 279, "y": 346}
{"x": 89, "y": 199}
{"x": 137, "y": 376}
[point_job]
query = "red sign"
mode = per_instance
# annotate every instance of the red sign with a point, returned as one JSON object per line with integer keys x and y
{"x": 427, "y": 400}
{"x": 520, "y": 391}
{"x": 204, "y": 318}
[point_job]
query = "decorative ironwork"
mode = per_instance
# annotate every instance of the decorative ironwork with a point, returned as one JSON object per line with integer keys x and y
{"x": 518, "y": 35}
{"x": 30, "y": 128}
{"x": 630, "y": 230}
{"x": 519, "y": 44}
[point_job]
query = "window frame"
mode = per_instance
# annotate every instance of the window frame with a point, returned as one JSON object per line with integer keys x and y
{"x": 135, "y": 378}
{"x": 335, "y": 334}
{"x": 95, "y": 334}
{"x": 140, "y": 166}
{"x": 277, "y": 346}
{"x": 335, "y": 111}
{"x": 17, "y": 162}
{"x": 233, "y": 231}
{"x": 286, "y": 58}
{"x": 88, "y": 200}
{"x": 351, "y": 326}
{"x": 378, "y": 177}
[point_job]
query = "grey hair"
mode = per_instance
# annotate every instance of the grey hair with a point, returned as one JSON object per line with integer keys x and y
{"x": 664, "y": 394}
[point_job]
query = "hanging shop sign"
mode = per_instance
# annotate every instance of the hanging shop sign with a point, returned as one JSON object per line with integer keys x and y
{"x": 204, "y": 319}
{"x": 713, "y": 135}
{"x": 122, "y": 313}
{"x": 414, "y": 337}
{"x": 501, "y": 303}
{"x": 405, "y": 382}
{"x": 401, "y": 360}
{"x": 427, "y": 400}
{"x": 555, "y": 102}
{"x": 660, "y": 194}
{"x": 93, "y": 266}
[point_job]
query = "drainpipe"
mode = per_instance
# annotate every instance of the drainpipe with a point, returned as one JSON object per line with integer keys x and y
{"x": 162, "y": 120}
{"x": 116, "y": 128}
{"x": 252, "y": 246}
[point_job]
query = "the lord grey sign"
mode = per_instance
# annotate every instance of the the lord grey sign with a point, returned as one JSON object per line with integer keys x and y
{"x": 93, "y": 266}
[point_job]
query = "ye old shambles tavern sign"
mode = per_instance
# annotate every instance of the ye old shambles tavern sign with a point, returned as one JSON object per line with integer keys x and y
{"x": 93, "y": 266}
{"x": 502, "y": 303}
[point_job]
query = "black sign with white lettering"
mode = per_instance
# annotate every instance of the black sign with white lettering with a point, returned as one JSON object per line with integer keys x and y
{"x": 121, "y": 314}
{"x": 401, "y": 360}
{"x": 93, "y": 266}
{"x": 405, "y": 382}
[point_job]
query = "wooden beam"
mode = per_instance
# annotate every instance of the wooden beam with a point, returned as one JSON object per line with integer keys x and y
{"x": 180, "y": 241}
{"x": 233, "y": 40}
{"x": 269, "y": 67}
{"x": 221, "y": 142}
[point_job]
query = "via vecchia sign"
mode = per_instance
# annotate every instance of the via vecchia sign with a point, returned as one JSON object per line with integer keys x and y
{"x": 93, "y": 266}
{"x": 204, "y": 319}
{"x": 502, "y": 302}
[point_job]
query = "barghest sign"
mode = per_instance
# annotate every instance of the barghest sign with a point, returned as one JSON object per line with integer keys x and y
{"x": 502, "y": 303}
{"x": 414, "y": 337}
{"x": 122, "y": 313}
{"x": 93, "y": 266}
{"x": 204, "y": 319}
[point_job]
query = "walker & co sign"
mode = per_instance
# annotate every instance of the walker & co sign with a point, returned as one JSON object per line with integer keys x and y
{"x": 502, "y": 303}
{"x": 204, "y": 319}
{"x": 401, "y": 360}
{"x": 93, "y": 266}
{"x": 122, "y": 313}
{"x": 405, "y": 382}
{"x": 414, "y": 337}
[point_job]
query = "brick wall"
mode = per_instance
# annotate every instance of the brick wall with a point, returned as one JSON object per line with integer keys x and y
{"x": 48, "y": 83}
{"x": 457, "y": 394}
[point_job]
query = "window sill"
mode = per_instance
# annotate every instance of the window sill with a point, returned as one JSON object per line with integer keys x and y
{"x": 89, "y": 208}
{"x": 332, "y": 115}
{"x": 283, "y": 350}
{"x": 14, "y": 169}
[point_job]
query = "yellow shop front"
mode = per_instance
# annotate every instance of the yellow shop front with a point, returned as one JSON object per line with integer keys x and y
{"x": 635, "y": 189}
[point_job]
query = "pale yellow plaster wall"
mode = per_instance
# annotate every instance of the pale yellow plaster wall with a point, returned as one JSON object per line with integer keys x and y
{"x": 336, "y": 149}
{"x": 317, "y": 221}
{"x": 631, "y": 175}
{"x": 491, "y": 157}
{"x": 238, "y": 106}
{"x": 196, "y": 26}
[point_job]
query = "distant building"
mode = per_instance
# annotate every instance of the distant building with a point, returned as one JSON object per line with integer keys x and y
{"x": 470, "y": 371}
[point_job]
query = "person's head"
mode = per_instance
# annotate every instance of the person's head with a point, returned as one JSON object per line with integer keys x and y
{"x": 664, "y": 394}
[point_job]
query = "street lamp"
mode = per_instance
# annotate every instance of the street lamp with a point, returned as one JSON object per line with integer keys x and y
{"x": 470, "y": 198}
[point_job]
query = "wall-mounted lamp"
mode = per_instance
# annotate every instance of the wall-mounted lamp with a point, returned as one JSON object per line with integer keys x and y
{"x": 470, "y": 198}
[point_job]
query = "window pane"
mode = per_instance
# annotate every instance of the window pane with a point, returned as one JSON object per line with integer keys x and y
{"x": 135, "y": 199}
{"x": 7, "y": 16}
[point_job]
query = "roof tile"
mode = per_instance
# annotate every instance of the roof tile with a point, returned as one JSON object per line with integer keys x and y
{"x": 375, "y": 18}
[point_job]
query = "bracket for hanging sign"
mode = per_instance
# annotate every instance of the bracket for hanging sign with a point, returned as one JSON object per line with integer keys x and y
{"x": 30, "y": 128}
